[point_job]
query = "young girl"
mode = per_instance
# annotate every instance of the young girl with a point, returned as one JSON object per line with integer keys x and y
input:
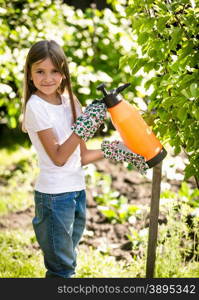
{"x": 58, "y": 130}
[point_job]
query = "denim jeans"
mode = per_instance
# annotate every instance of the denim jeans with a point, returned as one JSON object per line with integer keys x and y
{"x": 59, "y": 223}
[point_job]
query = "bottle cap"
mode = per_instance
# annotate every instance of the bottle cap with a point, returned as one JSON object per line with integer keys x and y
{"x": 112, "y": 97}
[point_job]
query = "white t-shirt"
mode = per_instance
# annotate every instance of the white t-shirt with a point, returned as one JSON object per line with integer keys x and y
{"x": 40, "y": 115}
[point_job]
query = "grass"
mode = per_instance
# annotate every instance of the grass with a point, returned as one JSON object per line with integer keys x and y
{"x": 21, "y": 258}
{"x": 18, "y": 255}
{"x": 94, "y": 264}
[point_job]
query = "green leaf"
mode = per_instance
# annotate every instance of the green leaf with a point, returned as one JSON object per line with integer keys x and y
{"x": 184, "y": 79}
{"x": 189, "y": 171}
{"x": 189, "y": 143}
{"x": 195, "y": 112}
{"x": 168, "y": 102}
{"x": 12, "y": 122}
{"x": 151, "y": 105}
{"x": 149, "y": 66}
{"x": 137, "y": 65}
{"x": 184, "y": 190}
{"x": 132, "y": 209}
{"x": 161, "y": 22}
{"x": 176, "y": 37}
{"x": 163, "y": 6}
{"x": 107, "y": 212}
{"x": 143, "y": 37}
{"x": 186, "y": 93}
{"x": 123, "y": 61}
{"x": 194, "y": 90}
{"x": 177, "y": 149}
{"x": 186, "y": 50}
{"x": 162, "y": 113}
{"x": 153, "y": 53}
{"x": 148, "y": 83}
{"x": 182, "y": 114}
{"x": 132, "y": 60}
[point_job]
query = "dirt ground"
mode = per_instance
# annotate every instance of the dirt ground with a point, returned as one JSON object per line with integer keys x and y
{"x": 99, "y": 233}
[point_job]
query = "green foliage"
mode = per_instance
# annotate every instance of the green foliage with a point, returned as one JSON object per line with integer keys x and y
{"x": 166, "y": 35}
{"x": 93, "y": 41}
{"x": 118, "y": 210}
{"x": 139, "y": 240}
{"x": 184, "y": 194}
{"x": 20, "y": 27}
{"x": 178, "y": 238}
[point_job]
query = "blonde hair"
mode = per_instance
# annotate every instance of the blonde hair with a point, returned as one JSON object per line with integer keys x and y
{"x": 38, "y": 52}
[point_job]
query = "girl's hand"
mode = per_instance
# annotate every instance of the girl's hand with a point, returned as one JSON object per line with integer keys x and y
{"x": 89, "y": 121}
{"x": 118, "y": 152}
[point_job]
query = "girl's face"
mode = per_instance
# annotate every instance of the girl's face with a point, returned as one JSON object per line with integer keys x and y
{"x": 46, "y": 77}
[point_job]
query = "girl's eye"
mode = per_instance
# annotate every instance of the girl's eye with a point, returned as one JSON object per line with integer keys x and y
{"x": 41, "y": 72}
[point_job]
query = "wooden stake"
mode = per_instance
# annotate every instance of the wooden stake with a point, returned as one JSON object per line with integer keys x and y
{"x": 153, "y": 224}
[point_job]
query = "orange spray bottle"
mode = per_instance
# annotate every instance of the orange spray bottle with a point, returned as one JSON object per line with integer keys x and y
{"x": 134, "y": 131}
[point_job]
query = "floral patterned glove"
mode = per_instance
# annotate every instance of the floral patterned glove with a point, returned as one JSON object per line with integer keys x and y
{"x": 90, "y": 120}
{"x": 118, "y": 152}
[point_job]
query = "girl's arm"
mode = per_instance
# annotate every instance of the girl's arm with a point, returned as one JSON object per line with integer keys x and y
{"x": 59, "y": 154}
{"x": 89, "y": 156}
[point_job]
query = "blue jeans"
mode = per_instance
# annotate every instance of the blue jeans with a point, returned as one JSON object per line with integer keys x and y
{"x": 59, "y": 223}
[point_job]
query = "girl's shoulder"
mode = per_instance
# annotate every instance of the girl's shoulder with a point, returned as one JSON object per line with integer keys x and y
{"x": 34, "y": 104}
{"x": 34, "y": 100}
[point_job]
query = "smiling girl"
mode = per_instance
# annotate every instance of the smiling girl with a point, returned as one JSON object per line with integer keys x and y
{"x": 58, "y": 130}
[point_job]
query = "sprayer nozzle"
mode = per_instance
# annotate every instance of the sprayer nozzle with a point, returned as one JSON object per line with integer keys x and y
{"x": 122, "y": 87}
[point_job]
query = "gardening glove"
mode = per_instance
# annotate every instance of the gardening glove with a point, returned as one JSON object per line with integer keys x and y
{"x": 118, "y": 152}
{"x": 90, "y": 120}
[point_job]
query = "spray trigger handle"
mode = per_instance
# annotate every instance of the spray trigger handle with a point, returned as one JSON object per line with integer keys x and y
{"x": 101, "y": 88}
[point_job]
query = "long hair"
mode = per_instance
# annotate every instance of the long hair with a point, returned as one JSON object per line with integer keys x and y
{"x": 38, "y": 52}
